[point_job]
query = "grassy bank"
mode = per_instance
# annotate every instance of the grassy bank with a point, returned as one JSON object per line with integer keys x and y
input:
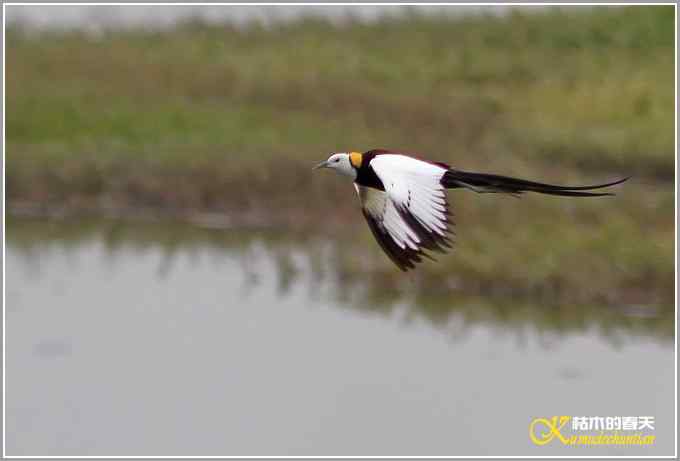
{"x": 229, "y": 120}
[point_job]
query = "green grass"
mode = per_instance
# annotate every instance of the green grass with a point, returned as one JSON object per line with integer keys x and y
{"x": 230, "y": 120}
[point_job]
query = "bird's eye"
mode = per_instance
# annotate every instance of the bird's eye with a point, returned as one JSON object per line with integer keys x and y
{"x": 336, "y": 160}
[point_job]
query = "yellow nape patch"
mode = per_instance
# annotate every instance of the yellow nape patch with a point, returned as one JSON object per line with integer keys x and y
{"x": 355, "y": 159}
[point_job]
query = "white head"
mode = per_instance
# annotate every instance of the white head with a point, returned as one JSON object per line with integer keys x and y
{"x": 342, "y": 162}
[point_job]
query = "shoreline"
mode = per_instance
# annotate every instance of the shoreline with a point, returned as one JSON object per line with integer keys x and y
{"x": 430, "y": 278}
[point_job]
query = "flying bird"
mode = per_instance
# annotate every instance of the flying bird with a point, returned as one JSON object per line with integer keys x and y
{"x": 404, "y": 202}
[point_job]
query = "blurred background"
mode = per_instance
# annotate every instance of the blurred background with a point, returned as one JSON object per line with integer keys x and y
{"x": 180, "y": 282}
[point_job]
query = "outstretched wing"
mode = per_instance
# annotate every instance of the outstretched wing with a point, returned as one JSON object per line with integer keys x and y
{"x": 394, "y": 235}
{"x": 412, "y": 214}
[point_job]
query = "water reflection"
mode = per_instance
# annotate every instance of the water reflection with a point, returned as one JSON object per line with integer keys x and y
{"x": 317, "y": 266}
{"x": 131, "y": 339}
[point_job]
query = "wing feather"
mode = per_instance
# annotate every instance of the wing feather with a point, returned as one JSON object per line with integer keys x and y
{"x": 412, "y": 214}
{"x": 399, "y": 241}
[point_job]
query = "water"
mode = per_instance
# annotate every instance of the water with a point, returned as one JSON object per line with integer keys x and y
{"x": 137, "y": 339}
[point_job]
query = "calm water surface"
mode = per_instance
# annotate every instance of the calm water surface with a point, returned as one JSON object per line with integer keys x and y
{"x": 119, "y": 343}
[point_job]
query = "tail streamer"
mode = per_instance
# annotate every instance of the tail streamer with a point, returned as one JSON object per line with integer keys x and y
{"x": 492, "y": 183}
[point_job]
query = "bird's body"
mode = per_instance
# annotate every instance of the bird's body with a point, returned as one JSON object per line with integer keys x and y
{"x": 403, "y": 198}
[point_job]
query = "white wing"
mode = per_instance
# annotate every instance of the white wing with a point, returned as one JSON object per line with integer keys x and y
{"x": 412, "y": 213}
{"x": 416, "y": 186}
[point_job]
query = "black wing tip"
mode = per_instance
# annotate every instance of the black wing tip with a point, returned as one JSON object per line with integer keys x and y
{"x": 404, "y": 258}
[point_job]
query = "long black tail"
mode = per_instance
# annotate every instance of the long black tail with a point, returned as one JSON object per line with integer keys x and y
{"x": 485, "y": 183}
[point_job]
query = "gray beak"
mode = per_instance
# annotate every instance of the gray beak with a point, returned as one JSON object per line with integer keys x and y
{"x": 323, "y": 164}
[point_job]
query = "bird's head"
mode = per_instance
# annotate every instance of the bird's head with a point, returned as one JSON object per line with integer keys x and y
{"x": 343, "y": 162}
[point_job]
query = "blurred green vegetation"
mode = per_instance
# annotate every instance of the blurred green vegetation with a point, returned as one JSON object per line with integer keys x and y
{"x": 230, "y": 120}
